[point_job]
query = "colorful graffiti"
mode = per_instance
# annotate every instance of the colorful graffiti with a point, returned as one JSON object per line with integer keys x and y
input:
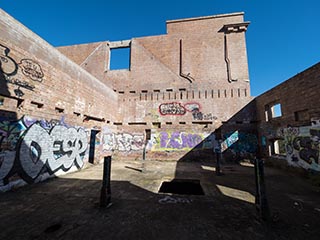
{"x": 229, "y": 141}
{"x": 31, "y": 148}
{"x": 168, "y": 141}
{"x": 302, "y": 146}
{"x": 123, "y": 142}
{"x": 242, "y": 145}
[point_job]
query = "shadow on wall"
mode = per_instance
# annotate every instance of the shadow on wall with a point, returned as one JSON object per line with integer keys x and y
{"x": 237, "y": 137}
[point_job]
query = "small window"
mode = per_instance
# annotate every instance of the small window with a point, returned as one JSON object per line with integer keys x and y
{"x": 279, "y": 147}
{"x": 276, "y": 110}
{"x": 120, "y": 58}
{"x": 1, "y": 101}
{"x": 273, "y": 111}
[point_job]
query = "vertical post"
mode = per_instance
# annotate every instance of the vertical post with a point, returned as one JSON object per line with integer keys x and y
{"x": 105, "y": 194}
{"x": 261, "y": 196}
{"x": 218, "y": 157}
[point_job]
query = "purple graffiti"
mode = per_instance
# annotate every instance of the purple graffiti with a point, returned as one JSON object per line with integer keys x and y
{"x": 179, "y": 140}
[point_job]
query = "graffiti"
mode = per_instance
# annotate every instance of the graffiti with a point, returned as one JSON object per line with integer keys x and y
{"x": 31, "y": 69}
{"x": 197, "y": 115}
{"x": 177, "y": 141}
{"x": 10, "y": 132}
{"x": 190, "y": 107}
{"x": 169, "y": 200}
{"x": 9, "y": 68}
{"x": 229, "y": 141}
{"x": 30, "y": 148}
{"x": 302, "y": 147}
{"x": 172, "y": 109}
{"x": 175, "y": 108}
{"x": 238, "y": 143}
{"x": 123, "y": 142}
{"x": 19, "y": 83}
{"x": 7, "y": 65}
{"x": 60, "y": 148}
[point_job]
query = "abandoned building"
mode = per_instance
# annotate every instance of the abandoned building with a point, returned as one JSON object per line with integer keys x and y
{"x": 183, "y": 94}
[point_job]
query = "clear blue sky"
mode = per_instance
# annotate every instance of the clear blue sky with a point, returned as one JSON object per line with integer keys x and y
{"x": 283, "y": 38}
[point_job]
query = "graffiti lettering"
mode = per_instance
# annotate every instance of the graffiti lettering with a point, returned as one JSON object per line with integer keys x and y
{"x": 31, "y": 69}
{"x": 172, "y": 109}
{"x": 59, "y": 149}
{"x": 123, "y": 142}
{"x": 35, "y": 148}
{"x": 178, "y": 141}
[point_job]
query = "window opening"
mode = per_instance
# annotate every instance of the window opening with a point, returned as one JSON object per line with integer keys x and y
{"x": 119, "y": 58}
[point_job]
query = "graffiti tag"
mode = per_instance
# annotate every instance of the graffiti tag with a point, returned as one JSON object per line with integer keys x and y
{"x": 31, "y": 69}
{"x": 123, "y": 142}
{"x": 172, "y": 109}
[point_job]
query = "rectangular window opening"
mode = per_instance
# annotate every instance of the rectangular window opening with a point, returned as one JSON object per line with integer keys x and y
{"x": 273, "y": 111}
{"x": 302, "y": 115}
{"x": 120, "y": 58}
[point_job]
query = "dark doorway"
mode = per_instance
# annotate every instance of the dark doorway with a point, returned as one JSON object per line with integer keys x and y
{"x": 182, "y": 186}
{"x": 93, "y": 136}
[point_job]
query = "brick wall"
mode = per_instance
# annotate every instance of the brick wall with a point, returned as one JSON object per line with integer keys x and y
{"x": 293, "y": 134}
{"x": 49, "y": 108}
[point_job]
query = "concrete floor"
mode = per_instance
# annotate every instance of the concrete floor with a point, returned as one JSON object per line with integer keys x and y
{"x": 68, "y": 207}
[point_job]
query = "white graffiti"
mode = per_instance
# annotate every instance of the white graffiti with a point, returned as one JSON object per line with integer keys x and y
{"x": 59, "y": 149}
{"x": 123, "y": 142}
{"x": 169, "y": 199}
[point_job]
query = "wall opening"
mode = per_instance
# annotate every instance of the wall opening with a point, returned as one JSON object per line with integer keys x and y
{"x": 182, "y": 186}
{"x": 119, "y": 58}
{"x": 277, "y": 147}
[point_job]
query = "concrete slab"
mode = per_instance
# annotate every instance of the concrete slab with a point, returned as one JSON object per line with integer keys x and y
{"x": 67, "y": 207}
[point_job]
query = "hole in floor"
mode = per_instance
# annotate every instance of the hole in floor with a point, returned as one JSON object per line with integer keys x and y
{"x": 182, "y": 186}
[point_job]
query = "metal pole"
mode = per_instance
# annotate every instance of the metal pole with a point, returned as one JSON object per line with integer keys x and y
{"x": 261, "y": 196}
{"x": 105, "y": 194}
{"x": 218, "y": 169}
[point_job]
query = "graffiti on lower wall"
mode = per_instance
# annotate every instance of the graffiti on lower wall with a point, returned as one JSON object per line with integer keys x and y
{"x": 30, "y": 148}
{"x": 171, "y": 141}
{"x": 302, "y": 146}
{"x": 179, "y": 109}
{"x": 122, "y": 142}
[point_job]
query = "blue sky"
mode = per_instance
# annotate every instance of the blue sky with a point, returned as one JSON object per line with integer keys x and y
{"x": 283, "y": 38}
